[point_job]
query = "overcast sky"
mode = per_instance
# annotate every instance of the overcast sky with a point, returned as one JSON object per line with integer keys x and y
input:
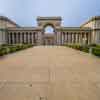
{"x": 73, "y": 12}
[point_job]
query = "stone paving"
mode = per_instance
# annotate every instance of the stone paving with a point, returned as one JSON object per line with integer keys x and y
{"x": 49, "y": 73}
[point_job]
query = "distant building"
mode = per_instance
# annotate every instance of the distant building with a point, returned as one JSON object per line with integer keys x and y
{"x": 49, "y": 32}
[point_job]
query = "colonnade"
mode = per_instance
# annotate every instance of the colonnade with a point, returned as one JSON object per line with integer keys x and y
{"x": 22, "y": 37}
{"x": 62, "y": 38}
{"x": 75, "y": 37}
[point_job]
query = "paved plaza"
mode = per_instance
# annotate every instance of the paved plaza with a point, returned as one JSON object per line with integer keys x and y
{"x": 49, "y": 73}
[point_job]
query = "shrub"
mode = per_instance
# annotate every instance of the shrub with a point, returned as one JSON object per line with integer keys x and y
{"x": 98, "y": 46}
{"x": 85, "y": 49}
{"x": 12, "y": 49}
{"x": 92, "y": 45}
{"x": 96, "y": 51}
{"x": 95, "y": 48}
{"x": 5, "y": 49}
{"x": 79, "y": 47}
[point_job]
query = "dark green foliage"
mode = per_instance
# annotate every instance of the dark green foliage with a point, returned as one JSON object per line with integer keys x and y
{"x": 79, "y": 47}
{"x": 96, "y": 51}
{"x": 95, "y": 48}
{"x": 2, "y": 51}
{"x": 85, "y": 49}
{"x": 6, "y": 49}
{"x": 92, "y": 45}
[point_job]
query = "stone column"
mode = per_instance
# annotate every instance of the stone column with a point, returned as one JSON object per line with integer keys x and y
{"x": 22, "y": 34}
{"x": 59, "y": 38}
{"x": 37, "y": 36}
{"x": 85, "y": 38}
{"x": 62, "y": 38}
{"x": 28, "y": 38}
{"x": 9, "y": 38}
{"x": 72, "y": 38}
{"x": 25, "y": 37}
{"x": 89, "y": 38}
{"x": 40, "y": 38}
{"x": 65, "y": 37}
{"x": 68, "y": 37}
{"x": 20, "y": 38}
{"x": 12, "y": 38}
{"x": 32, "y": 38}
{"x": 16, "y": 38}
{"x": 79, "y": 38}
{"x": 76, "y": 38}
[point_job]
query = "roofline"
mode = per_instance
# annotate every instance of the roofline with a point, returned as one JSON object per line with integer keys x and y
{"x": 23, "y": 28}
{"x": 7, "y": 19}
{"x": 49, "y": 18}
{"x": 91, "y": 19}
{"x": 74, "y": 28}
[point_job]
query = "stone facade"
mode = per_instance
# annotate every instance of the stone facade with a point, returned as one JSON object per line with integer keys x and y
{"x": 11, "y": 33}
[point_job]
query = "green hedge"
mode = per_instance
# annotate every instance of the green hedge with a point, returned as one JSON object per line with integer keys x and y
{"x": 96, "y": 51}
{"x": 3, "y": 51}
{"x": 95, "y": 48}
{"x": 79, "y": 47}
{"x": 6, "y": 49}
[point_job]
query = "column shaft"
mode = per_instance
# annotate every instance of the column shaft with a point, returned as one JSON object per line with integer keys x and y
{"x": 9, "y": 40}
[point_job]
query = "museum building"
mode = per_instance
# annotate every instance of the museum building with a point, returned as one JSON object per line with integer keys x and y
{"x": 49, "y": 31}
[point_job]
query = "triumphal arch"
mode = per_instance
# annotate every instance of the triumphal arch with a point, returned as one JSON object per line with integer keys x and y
{"x": 49, "y": 31}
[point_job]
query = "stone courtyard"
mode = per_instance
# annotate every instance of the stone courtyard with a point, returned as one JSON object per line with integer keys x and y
{"x": 49, "y": 73}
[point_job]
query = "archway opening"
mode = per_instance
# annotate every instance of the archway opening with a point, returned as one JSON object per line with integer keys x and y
{"x": 49, "y": 34}
{"x": 49, "y": 29}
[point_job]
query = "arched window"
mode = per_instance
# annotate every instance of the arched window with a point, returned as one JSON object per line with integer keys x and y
{"x": 49, "y": 29}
